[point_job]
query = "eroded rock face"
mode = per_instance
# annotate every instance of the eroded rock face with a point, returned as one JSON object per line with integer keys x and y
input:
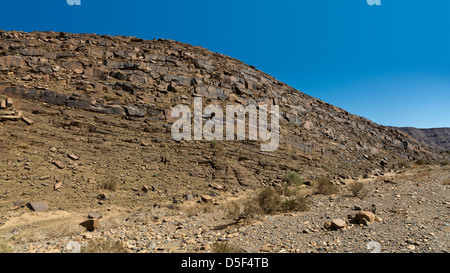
{"x": 143, "y": 80}
{"x": 439, "y": 137}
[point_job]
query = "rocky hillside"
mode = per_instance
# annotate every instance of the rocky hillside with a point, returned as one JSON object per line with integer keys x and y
{"x": 97, "y": 110}
{"x": 87, "y": 153}
{"x": 439, "y": 137}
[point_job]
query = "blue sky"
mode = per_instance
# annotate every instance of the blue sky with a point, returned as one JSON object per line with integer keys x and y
{"x": 389, "y": 63}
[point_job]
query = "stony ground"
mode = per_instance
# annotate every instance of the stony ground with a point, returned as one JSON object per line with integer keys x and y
{"x": 412, "y": 210}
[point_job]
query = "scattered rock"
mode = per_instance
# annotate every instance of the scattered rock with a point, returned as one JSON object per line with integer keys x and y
{"x": 91, "y": 224}
{"x": 95, "y": 215}
{"x": 59, "y": 164}
{"x": 338, "y": 224}
{"x": 73, "y": 156}
{"x": 38, "y": 206}
{"x": 58, "y": 186}
{"x": 207, "y": 199}
{"x": 365, "y": 217}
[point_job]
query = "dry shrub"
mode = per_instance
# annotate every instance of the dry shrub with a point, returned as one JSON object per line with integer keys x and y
{"x": 224, "y": 247}
{"x": 251, "y": 209}
{"x": 420, "y": 162}
{"x": 271, "y": 201}
{"x": 423, "y": 174}
{"x": 64, "y": 230}
{"x": 104, "y": 246}
{"x": 358, "y": 190}
{"x": 61, "y": 230}
{"x": 325, "y": 187}
{"x": 5, "y": 247}
{"x": 110, "y": 184}
{"x": 199, "y": 209}
{"x": 233, "y": 210}
{"x": 300, "y": 203}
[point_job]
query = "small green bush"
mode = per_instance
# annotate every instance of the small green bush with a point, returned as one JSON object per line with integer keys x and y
{"x": 293, "y": 179}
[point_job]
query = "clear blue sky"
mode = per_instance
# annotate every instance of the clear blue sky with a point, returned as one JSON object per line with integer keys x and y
{"x": 388, "y": 63}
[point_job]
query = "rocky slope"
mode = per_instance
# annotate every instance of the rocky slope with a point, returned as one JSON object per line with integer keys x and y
{"x": 439, "y": 137}
{"x": 88, "y": 128}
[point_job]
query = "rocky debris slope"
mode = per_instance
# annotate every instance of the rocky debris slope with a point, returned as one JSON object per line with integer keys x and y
{"x": 439, "y": 137}
{"x": 99, "y": 132}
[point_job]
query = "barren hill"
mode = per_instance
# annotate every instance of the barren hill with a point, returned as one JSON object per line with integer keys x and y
{"x": 85, "y": 125}
{"x": 439, "y": 137}
{"x": 108, "y": 100}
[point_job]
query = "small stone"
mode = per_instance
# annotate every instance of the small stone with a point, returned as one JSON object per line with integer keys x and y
{"x": 45, "y": 177}
{"x": 59, "y": 164}
{"x": 365, "y": 215}
{"x": 9, "y": 102}
{"x": 27, "y": 120}
{"x": 95, "y": 215}
{"x": 207, "y": 199}
{"x": 91, "y": 181}
{"x": 73, "y": 247}
{"x": 338, "y": 224}
{"x": 73, "y": 157}
{"x": 145, "y": 188}
{"x": 58, "y": 185}
{"x": 411, "y": 247}
{"x": 267, "y": 248}
{"x": 19, "y": 203}
{"x": 91, "y": 224}
{"x": 188, "y": 197}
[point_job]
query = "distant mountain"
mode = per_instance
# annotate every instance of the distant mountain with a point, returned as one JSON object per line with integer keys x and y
{"x": 439, "y": 137}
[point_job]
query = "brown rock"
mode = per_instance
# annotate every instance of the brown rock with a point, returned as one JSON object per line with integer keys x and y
{"x": 73, "y": 157}
{"x": 58, "y": 185}
{"x": 45, "y": 177}
{"x": 27, "y": 120}
{"x": 59, "y": 164}
{"x": 364, "y": 217}
{"x": 91, "y": 224}
{"x": 19, "y": 203}
{"x": 95, "y": 215}
{"x": 146, "y": 189}
{"x": 2, "y": 104}
{"x": 38, "y": 206}
{"x": 338, "y": 224}
{"x": 207, "y": 199}
{"x": 9, "y": 102}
